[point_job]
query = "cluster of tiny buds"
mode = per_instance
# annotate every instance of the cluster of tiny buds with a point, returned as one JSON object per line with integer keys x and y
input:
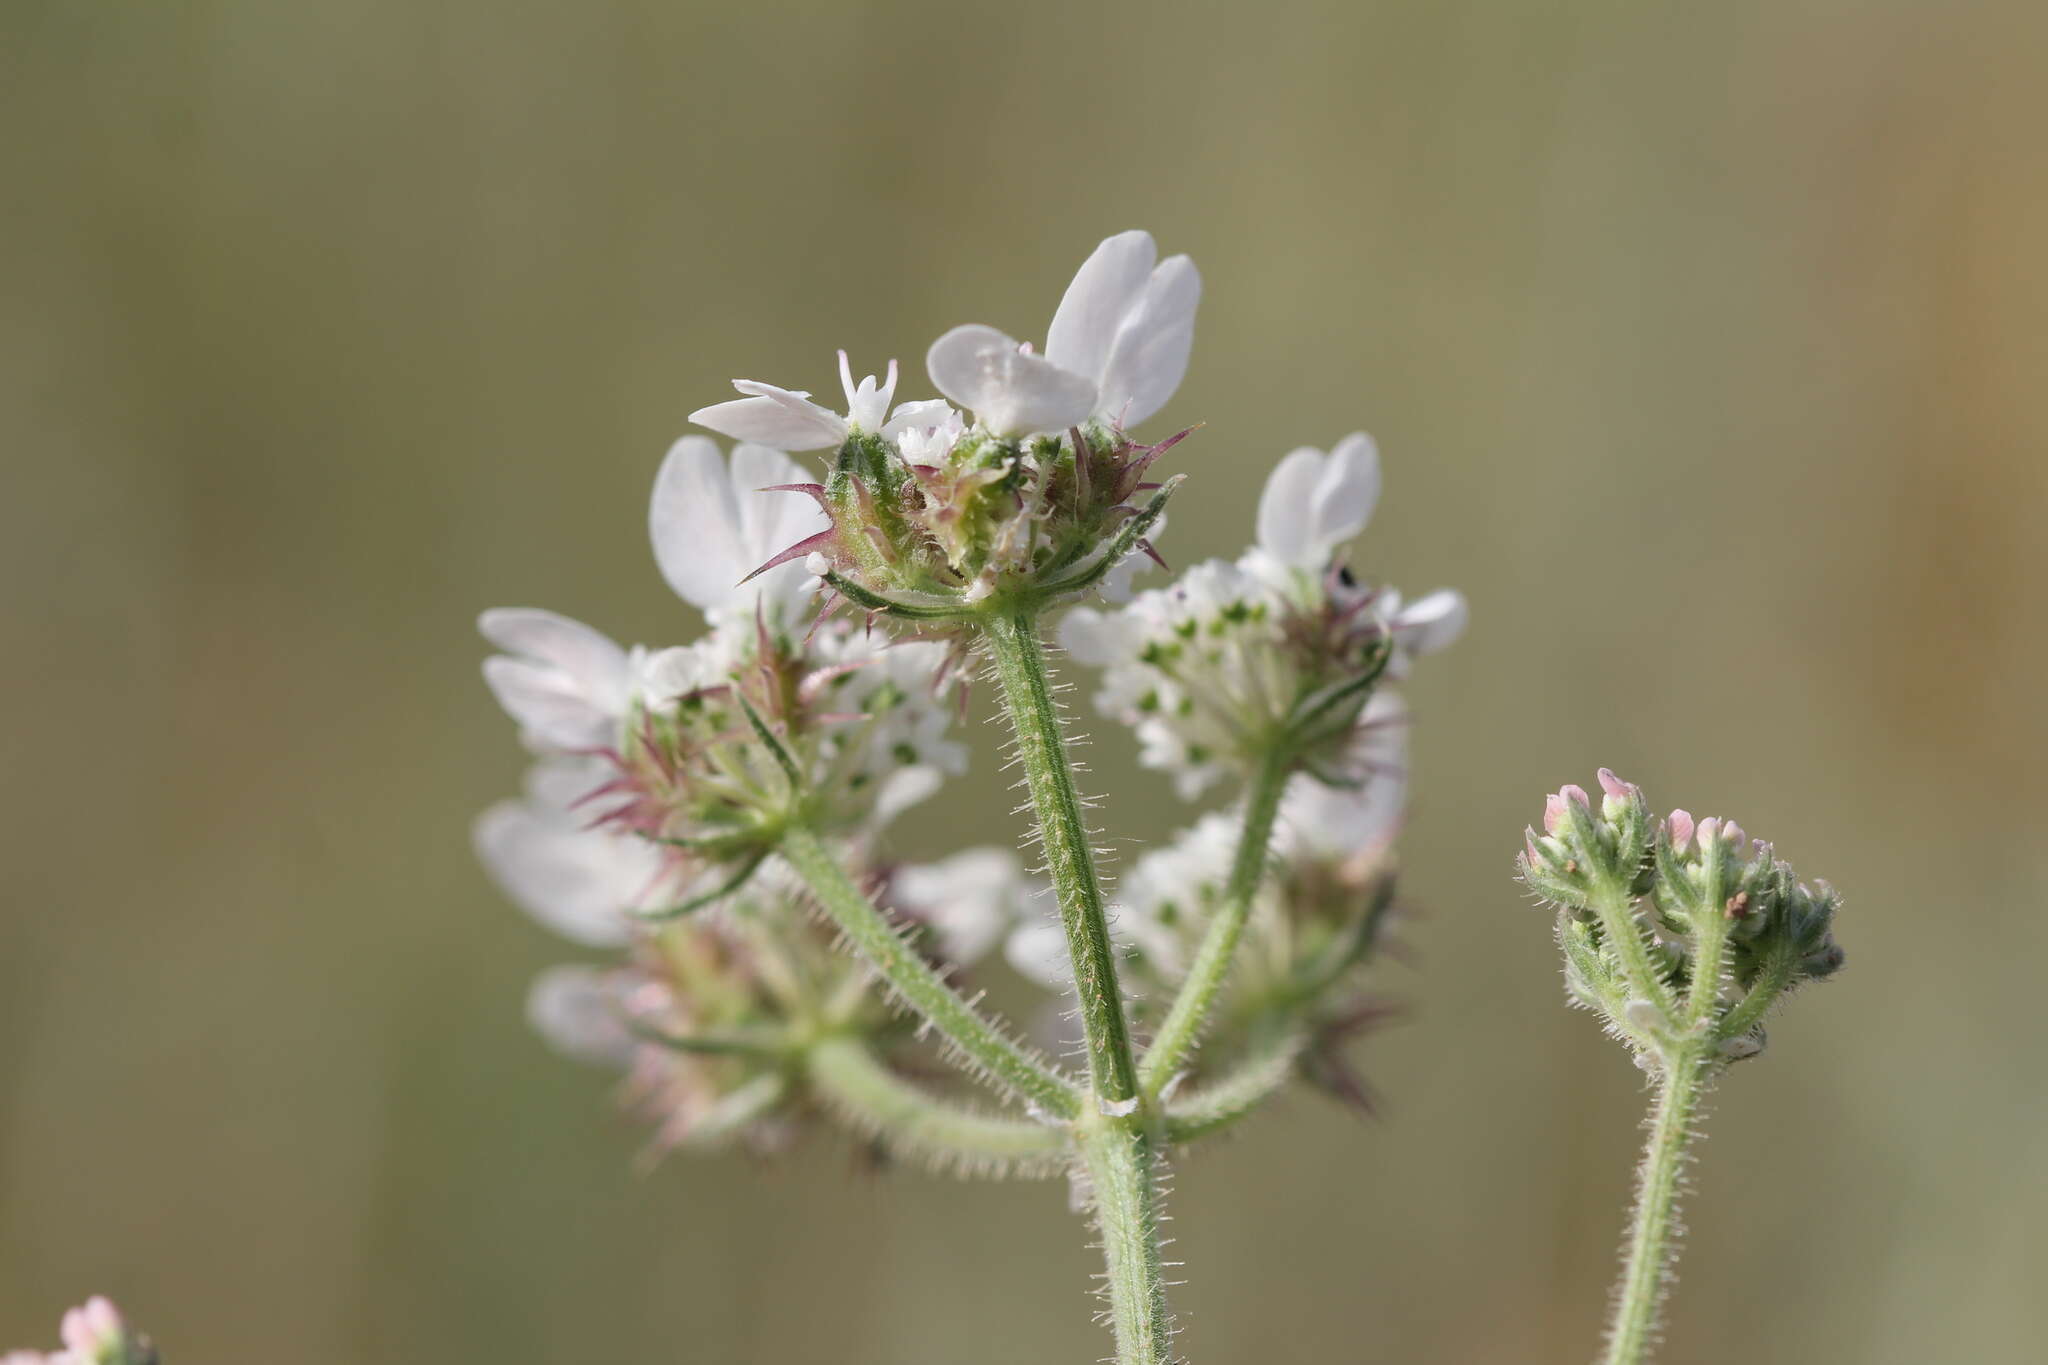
{"x": 1699, "y": 897}
{"x": 94, "y": 1333}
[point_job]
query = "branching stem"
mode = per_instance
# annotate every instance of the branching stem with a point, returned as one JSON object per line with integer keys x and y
{"x": 1119, "y": 1140}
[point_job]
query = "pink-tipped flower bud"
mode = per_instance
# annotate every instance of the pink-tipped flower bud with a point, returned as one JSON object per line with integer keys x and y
{"x": 1709, "y": 831}
{"x": 1614, "y": 786}
{"x": 1680, "y": 824}
{"x": 1732, "y": 832}
{"x": 1553, "y": 812}
{"x": 92, "y": 1328}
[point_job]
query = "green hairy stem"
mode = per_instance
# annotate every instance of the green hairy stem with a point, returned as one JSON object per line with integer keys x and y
{"x": 1118, "y": 1142}
{"x": 1647, "y": 1262}
{"x": 879, "y": 1101}
{"x": 918, "y": 983}
{"x": 1019, "y": 657}
{"x": 1191, "y": 1009}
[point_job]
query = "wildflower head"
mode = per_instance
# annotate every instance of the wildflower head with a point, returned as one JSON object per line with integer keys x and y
{"x": 933, "y": 516}
{"x": 1702, "y": 902}
{"x": 1280, "y": 649}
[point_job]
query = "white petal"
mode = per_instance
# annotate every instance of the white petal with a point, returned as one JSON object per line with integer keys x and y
{"x": 901, "y": 790}
{"x": 769, "y": 524}
{"x": 586, "y": 654}
{"x": 1430, "y": 623}
{"x": 1149, "y": 356}
{"x": 1104, "y": 290}
{"x": 1011, "y": 392}
{"x": 771, "y": 416}
{"x": 1038, "y": 951}
{"x": 552, "y": 712}
{"x": 577, "y": 882}
{"x": 1287, "y": 510}
{"x": 695, "y": 523}
{"x": 565, "y": 683}
{"x": 1092, "y": 637}
{"x": 970, "y": 899}
{"x": 578, "y": 1012}
{"x": 1347, "y": 492}
{"x": 921, "y": 415}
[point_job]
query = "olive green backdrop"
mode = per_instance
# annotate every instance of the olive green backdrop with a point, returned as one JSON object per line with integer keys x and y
{"x": 1705, "y": 344}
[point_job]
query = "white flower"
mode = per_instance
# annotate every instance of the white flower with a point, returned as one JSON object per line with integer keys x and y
{"x": 971, "y": 900}
{"x": 1314, "y": 503}
{"x": 1193, "y": 667}
{"x": 712, "y": 526}
{"x": 567, "y": 685}
{"x": 787, "y": 419}
{"x": 925, "y": 432}
{"x": 1127, "y": 325}
{"x": 580, "y": 882}
{"x": 1117, "y": 348}
{"x": 581, "y": 1013}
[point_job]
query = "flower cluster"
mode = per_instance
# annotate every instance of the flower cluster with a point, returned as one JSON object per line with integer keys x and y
{"x": 1279, "y": 649}
{"x": 680, "y": 767}
{"x": 1031, "y": 489}
{"x": 1677, "y": 930}
{"x": 663, "y": 781}
{"x": 94, "y": 1333}
{"x": 711, "y": 1017}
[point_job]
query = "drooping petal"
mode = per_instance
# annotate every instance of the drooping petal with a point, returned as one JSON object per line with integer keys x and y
{"x": 1149, "y": 355}
{"x": 785, "y": 419}
{"x": 1011, "y": 391}
{"x": 1092, "y": 311}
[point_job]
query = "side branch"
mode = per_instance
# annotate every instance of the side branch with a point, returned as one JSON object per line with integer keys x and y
{"x": 1182, "y": 1028}
{"x": 918, "y": 984}
{"x": 878, "y": 1101}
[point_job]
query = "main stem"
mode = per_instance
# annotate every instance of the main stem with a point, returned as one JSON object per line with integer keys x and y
{"x": 1184, "y": 1022}
{"x": 1647, "y": 1267}
{"x": 1119, "y": 1142}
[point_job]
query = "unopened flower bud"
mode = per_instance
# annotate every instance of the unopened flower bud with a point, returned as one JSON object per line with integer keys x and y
{"x": 1680, "y": 826}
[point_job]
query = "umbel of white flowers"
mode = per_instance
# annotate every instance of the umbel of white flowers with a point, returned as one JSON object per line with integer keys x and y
{"x": 653, "y": 795}
{"x": 712, "y": 815}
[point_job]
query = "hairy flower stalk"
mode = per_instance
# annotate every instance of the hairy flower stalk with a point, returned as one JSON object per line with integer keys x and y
{"x": 1681, "y": 935}
{"x": 715, "y": 814}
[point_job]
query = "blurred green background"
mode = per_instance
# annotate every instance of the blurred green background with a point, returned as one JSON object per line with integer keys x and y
{"x": 1705, "y": 344}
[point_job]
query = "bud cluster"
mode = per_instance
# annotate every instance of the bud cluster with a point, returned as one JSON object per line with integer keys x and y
{"x": 1675, "y": 929}
{"x": 94, "y": 1333}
